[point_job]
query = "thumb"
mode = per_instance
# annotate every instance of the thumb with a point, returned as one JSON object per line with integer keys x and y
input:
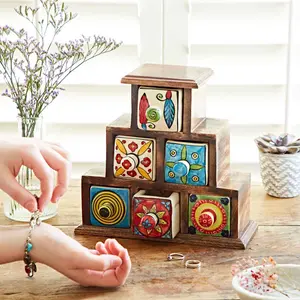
{"x": 10, "y": 186}
{"x": 101, "y": 262}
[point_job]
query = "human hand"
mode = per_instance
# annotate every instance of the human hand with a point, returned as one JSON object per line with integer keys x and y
{"x": 119, "y": 276}
{"x": 42, "y": 158}
{"x": 108, "y": 265}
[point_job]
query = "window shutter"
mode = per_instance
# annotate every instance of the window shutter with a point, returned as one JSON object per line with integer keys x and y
{"x": 94, "y": 97}
{"x": 245, "y": 43}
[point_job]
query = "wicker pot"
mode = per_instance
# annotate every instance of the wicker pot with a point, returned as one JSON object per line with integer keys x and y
{"x": 280, "y": 174}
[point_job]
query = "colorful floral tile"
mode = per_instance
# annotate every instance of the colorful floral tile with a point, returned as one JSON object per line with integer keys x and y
{"x": 209, "y": 215}
{"x": 134, "y": 158}
{"x": 154, "y": 216}
{"x": 186, "y": 163}
{"x": 159, "y": 109}
{"x": 109, "y": 206}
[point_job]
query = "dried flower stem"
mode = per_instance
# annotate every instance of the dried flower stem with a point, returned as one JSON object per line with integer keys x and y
{"x": 34, "y": 70}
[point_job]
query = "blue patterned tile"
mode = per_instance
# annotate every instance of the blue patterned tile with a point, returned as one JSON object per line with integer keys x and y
{"x": 109, "y": 207}
{"x": 186, "y": 163}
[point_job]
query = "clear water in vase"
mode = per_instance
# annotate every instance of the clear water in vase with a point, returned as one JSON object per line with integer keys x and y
{"x": 28, "y": 128}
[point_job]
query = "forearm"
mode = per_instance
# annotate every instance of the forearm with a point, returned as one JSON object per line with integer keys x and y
{"x": 12, "y": 243}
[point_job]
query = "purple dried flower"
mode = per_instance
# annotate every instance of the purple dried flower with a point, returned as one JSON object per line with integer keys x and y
{"x": 36, "y": 79}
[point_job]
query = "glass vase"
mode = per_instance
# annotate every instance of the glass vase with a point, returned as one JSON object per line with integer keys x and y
{"x": 28, "y": 128}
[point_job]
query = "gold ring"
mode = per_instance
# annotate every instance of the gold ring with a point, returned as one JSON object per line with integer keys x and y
{"x": 175, "y": 256}
{"x": 193, "y": 264}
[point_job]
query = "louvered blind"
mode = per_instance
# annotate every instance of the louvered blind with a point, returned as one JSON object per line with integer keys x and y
{"x": 246, "y": 42}
{"x": 94, "y": 96}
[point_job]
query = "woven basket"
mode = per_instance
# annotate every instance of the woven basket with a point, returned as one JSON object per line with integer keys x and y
{"x": 280, "y": 174}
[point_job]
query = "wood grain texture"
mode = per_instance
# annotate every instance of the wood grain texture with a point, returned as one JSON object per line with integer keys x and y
{"x": 244, "y": 205}
{"x": 152, "y": 275}
{"x": 219, "y": 151}
{"x": 264, "y": 209}
{"x": 110, "y": 148}
{"x": 187, "y": 111}
{"x": 172, "y": 76}
{"x": 184, "y": 212}
{"x": 160, "y": 146}
{"x": 85, "y": 202}
{"x": 186, "y": 118}
{"x": 213, "y": 132}
{"x": 134, "y": 106}
{"x": 156, "y": 185}
{"x": 212, "y": 164}
{"x": 240, "y": 207}
{"x": 235, "y": 217}
{"x": 181, "y": 238}
{"x": 222, "y": 152}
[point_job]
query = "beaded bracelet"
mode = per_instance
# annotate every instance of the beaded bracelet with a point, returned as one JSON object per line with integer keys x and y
{"x": 30, "y": 266}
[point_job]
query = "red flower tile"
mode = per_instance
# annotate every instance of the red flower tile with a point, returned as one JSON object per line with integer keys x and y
{"x": 126, "y": 164}
{"x": 146, "y": 162}
{"x": 118, "y": 158}
{"x": 132, "y": 173}
{"x": 132, "y": 146}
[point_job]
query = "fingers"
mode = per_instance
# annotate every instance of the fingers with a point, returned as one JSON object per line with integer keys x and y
{"x": 63, "y": 167}
{"x": 100, "y": 247}
{"x": 33, "y": 159}
{"x": 99, "y": 262}
{"x": 109, "y": 278}
{"x": 59, "y": 149}
{"x": 123, "y": 271}
{"x": 113, "y": 246}
{"x": 10, "y": 186}
{"x": 96, "y": 270}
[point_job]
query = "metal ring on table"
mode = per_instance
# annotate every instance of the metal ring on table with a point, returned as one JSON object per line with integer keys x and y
{"x": 175, "y": 256}
{"x": 193, "y": 264}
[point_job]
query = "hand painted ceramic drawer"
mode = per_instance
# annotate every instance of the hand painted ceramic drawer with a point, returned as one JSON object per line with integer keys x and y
{"x": 156, "y": 216}
{"x": 110, "y": 206}
{"x": 186, "y": 163}
{"x": 159, "y": 109}
{"x": 134, "y": 158}
{"x": 209, "y": 215}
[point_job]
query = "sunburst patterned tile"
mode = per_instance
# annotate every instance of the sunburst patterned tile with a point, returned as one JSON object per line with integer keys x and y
{"x": 134, "y": 158}
{"x": 156, "y": 216}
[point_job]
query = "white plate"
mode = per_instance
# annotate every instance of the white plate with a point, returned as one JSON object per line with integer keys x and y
{"x": 288, "y": 281}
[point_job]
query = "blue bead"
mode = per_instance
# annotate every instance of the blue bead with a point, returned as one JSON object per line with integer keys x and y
{"x": 29, "y": 247}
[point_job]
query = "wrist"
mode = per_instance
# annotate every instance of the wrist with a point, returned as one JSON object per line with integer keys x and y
{"x": 12, "y": 241}
{"x": 37, "y": 239}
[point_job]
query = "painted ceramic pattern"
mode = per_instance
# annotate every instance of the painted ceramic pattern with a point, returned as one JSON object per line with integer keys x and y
{"x": 186, "y": 163}
{"x": 209, "y": 215}
{"x": 159, "y": 109}
{"x": 152, "y": 217}
{"x": 134, "y": 158}
{"x": 109, "y": 207}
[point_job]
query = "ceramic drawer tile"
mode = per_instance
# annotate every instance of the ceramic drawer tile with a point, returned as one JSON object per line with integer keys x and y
{"x": 186, "y": 163}
{"x": 110, "y": 207}
{"x": 209, "y": 215}
{"x": 156, "y": 216}
{"x": 134, "y": 158}
{"x": 159, "y": 109}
